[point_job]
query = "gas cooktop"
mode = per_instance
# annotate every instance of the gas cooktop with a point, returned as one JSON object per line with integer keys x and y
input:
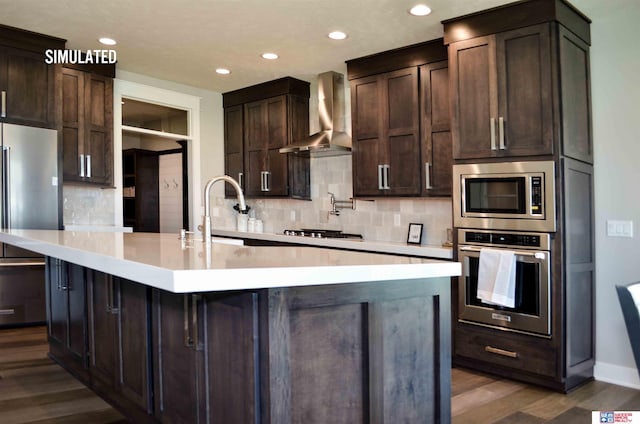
{"x": 320, "y": 233}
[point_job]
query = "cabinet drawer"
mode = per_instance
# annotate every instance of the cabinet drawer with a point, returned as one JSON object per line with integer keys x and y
{"x": 521, "y": 352}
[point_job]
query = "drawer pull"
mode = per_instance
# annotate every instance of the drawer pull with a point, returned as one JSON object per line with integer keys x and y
{"x": 7, "y": 311}
{"x": 502, "y": 352}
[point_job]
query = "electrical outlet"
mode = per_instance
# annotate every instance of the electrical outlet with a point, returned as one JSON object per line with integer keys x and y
{"x": 620, "y": 228}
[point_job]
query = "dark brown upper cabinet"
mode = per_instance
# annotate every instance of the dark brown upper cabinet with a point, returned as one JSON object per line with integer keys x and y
{"x": 400, "y": 122}
{"x": 385, "y": 134}
{"x": 258, "y": 121}
{"x": 435, "y": 126}
{"x": 520, "y": 82}
{"x": 29, "y": 87}
{"x": 87, "y": 127}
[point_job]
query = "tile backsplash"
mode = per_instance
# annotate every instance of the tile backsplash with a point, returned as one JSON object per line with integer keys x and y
{"x": 88, "y": 205}
{"x": 380, "y": 219}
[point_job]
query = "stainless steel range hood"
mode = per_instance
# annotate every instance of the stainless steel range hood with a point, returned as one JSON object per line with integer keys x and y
{"x": 331, "y": 140}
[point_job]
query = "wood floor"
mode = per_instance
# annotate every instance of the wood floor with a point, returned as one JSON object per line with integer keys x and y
{"x": 35, "y": 390}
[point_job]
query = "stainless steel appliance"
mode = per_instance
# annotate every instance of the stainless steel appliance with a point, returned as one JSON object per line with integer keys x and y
{"x": 506, "y": 195}
{"x": 29, "y": 199}
{"x": 531, "y": 313}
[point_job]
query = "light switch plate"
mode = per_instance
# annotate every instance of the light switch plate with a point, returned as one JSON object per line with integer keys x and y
{"x": 619, "y": 228}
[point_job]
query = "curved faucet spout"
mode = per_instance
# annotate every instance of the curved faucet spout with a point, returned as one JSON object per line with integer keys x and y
{"x": 206, "y": 219}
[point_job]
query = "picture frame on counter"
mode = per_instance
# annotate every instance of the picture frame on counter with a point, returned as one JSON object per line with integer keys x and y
{"x": 414, "y": 235}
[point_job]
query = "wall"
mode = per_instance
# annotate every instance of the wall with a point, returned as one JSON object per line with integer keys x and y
{"x": 615, "y": 71}
{"x": 383, "y": 220}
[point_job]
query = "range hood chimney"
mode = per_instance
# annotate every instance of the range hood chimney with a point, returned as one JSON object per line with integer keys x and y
{"x": 331, "y": 140}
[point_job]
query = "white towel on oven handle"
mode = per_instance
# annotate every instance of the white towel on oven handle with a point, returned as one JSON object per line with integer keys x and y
{"x": 497, "y": 277}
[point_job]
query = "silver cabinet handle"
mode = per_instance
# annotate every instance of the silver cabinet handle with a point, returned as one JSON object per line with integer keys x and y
{"x": 190, "y": 308}
{"x": 501, "y": 352}
{"x": 501, "y": 132}
{"x": 19, "y": 264}
{"x": 3, "y": 113}
{"x": 386, "y": 177}
{"x": 7, "y": 311}
{"x": 82, "y": 166}
{"x": 493, "y": 133}
{"x": 267, "y": 185}
{"x": 380, "y": 178}
{"x": 427, "y": 176}
{"x": 240, "y": 175}
{"x": 88, "y": 157}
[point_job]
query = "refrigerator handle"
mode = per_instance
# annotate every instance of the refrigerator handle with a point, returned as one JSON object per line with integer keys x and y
{"x": 88, "y": 166}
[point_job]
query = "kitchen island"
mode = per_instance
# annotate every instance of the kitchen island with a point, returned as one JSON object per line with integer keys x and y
{"x": 170, "y": 330}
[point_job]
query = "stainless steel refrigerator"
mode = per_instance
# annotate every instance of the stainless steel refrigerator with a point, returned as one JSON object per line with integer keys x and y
{"x": 29, "y": 200}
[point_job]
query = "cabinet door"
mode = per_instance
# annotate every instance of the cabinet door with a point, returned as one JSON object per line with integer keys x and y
{"x": 437, "y": 157}
{"x": 77, "y": 341}
{"x": 102, "y": 330}
{"x": 255, "y": 141}
{"x": 98, "y": 120}
{"x": 525, "y": 111}
{"x": 233, "y": 148}
{"x": 277, "y": 137}
{"x": 474, "y": 105}
{"x": 231, "y": 352}
{"x": 401, "y": 132}
{"x": 57, "y": 303}
{"x": 29, "y": 85}
{"x": 178, "y": 368}
{"x": 72, "y": 123}
{"x": 366, "y": 101}
{"x": 299, "y": 166}
{"x": 133, "y": 377}
{"x": 575, "y": 90}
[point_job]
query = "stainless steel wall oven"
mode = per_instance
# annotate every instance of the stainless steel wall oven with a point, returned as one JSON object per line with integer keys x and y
{"x": 531, "y": 312}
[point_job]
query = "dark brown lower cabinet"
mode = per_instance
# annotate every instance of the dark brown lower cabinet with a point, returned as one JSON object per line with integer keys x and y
{"x": 375, "y": 352}
{"x": 66, "y": 309}
{"x": 205, "y": 350}
{"x": 120, "y": 365}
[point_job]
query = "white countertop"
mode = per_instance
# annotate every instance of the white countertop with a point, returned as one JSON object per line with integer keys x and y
{"x": 422, "y": 251}
{"x": 165, "y": 262}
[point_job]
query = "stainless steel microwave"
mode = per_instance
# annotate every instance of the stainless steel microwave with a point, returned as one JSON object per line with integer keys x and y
{"x": 506, "y": 195}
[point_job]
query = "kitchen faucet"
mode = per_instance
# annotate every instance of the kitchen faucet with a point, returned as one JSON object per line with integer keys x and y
{"x": 206, "y": 219}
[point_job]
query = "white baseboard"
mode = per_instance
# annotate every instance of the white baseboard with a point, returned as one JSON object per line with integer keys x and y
{"x": 615, "y": 374}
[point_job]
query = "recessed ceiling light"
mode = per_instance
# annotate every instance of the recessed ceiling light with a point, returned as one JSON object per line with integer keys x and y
{"x": 420, "y": 10}
{"x": 107, "y": 41}
{"x": 223, "y": 71}
{"x": 337, "y": 35}
{"x": 269, "y": 56}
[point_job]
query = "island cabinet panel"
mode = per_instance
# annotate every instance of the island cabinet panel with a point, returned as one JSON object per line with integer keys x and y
{"x": 178, "y": 372}
{"x": 67, "y": 316}
{"x": 370, "y": 353}
{"x": 204, "y": 355}
{"x": 118, "y": 324}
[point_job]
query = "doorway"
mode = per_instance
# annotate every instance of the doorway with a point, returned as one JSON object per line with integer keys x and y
{"x": 155, "y": 167}
{"x": 162, "y": 123}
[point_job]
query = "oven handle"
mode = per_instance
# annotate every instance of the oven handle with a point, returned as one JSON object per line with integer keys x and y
{"x": 537, "y": 255}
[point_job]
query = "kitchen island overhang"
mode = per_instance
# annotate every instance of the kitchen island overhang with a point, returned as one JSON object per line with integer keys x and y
{"x": 313, "y": 335}
{"x": 164, "y": 261}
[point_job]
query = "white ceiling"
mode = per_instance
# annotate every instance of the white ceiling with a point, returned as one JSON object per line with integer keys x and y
{"x": 185, "y": 41}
